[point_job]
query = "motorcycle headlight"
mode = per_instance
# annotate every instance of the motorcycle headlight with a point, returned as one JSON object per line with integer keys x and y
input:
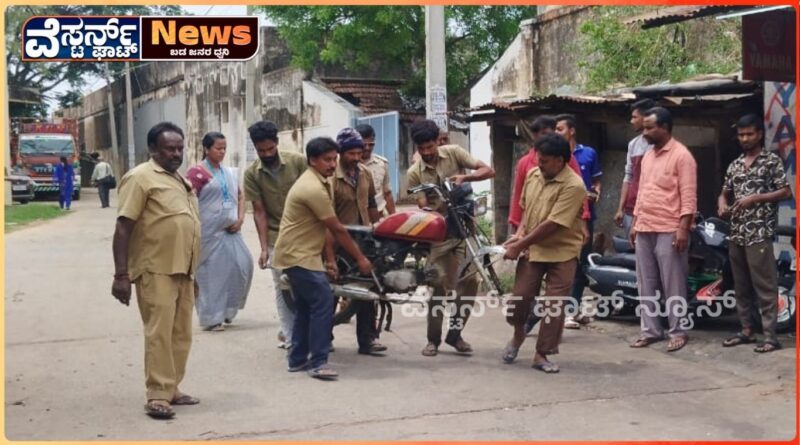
{"x": 481, "y": 206}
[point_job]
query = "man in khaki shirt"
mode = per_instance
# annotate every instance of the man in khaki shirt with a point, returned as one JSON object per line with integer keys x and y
{"x": 436, "y": 165}
{"x": 379, "y": 168}
{"x": 550, "y": 239}
{"x": 354, "y": 202}
{"x": 266, "y": 183}
{"x": 307, "y": 214}
{"x": 157, "y": 247}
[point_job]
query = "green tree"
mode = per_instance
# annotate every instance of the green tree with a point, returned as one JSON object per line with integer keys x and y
{"x": 46, "y": 76}
{"x": 613, "y": 54}
{"x": 391, "y": 39}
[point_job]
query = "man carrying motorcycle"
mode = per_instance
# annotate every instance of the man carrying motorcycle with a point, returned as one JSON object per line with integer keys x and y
{"x": 756, "y": 181}
{"x": 355, "y": 204}
{"x": 436, "y": 165}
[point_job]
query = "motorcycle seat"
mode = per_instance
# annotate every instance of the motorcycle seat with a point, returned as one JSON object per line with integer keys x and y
{"x": 627, "y": 260}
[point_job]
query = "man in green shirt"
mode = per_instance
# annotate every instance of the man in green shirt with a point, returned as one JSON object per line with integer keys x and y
{"x": 266, "y": 183}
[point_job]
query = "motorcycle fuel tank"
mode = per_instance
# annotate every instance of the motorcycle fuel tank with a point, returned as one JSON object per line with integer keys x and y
{"x": 413, "y": 225}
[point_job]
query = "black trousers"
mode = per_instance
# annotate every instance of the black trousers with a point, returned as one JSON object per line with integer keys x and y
{"x": 366, "y": 329}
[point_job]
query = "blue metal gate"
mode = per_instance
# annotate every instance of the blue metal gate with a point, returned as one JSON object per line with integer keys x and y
{"x": 387, "y": 142}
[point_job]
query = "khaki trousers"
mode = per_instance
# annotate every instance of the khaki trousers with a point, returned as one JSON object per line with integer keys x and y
{"x": 527, "y": 284}
{"x": 755, "y": 280}
{"x": 166, "y": 303}
{"x": 446, "y": 257}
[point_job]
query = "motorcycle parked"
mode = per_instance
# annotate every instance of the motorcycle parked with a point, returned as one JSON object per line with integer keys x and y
{"x": 399, "y": 245}
{"x": 709, "y": 282}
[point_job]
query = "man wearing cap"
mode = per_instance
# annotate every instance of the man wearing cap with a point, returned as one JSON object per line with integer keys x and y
{"x": 355, "y": 204}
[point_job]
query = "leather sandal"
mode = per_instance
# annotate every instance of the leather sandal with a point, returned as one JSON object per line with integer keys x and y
{"x": 430, "y": 350}
{"x": 157, "y": 410}
{"x": 738, "y": 339}
{"x": 643, "y": 342}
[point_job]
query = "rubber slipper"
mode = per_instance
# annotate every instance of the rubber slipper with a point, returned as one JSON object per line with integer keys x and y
{"x": 738, "y": 339}
{"x": 546, "y": 367}
{"x": 185, "y": 399}
{"x": 510, "y": 354}
{"x": 643, "y": 342}
{"x": 677, "y": 343}
{"x": 158, "y": 410}
{"x": 298, "y": 368}
{"x": 323, "y": 373}
{"x": 430, "y": 350}
{"x": 767, "y": 346}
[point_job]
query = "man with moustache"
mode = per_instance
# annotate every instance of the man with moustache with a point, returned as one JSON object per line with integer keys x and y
{"x": 438, "y": 164}
{"x": 157, "y": 247}
{"x": 355, "y": 204}
{"x": 266, "y": 183}
{"x": 663, "y": 217}
{"x": 756, "y": 182}
{"x": 308, "y": 227}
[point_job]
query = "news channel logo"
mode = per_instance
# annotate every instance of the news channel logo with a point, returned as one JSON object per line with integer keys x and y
{"x": 138, "y": 38}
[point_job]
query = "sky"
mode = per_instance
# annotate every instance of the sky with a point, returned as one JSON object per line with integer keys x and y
{"x": 95, "y": 83}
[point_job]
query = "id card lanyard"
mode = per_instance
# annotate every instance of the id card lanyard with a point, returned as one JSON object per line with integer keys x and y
{"x": 227, "y": 202}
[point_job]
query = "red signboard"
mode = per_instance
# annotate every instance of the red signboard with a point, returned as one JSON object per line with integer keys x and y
{"x": 768, "y": 46}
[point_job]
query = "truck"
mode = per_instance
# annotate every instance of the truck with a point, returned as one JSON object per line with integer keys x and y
{"x": 37, "y": 147}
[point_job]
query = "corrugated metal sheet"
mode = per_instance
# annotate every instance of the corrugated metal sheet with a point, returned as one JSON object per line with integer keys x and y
{"x": 675, "y": 14}
{"x": 553, "y": 99}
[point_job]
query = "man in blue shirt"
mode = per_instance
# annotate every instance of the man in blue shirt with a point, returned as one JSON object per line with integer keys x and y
{"x": 591, "y": 173}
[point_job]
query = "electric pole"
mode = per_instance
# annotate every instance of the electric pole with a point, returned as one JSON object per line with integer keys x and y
{"x": 129, "y": 116}
{"x": 435, "y": 66}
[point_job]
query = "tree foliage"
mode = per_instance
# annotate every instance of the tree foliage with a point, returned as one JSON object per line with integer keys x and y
{"x": 391, "y": 39}
{"x": 46, "y": 76}
{"x": 613, "y": 54}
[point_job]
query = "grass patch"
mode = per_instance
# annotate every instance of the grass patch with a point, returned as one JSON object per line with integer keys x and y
{"x": 21, "y": 215}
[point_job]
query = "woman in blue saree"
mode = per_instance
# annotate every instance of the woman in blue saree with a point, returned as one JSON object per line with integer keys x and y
{"x": 225, "y": 270}
{"x": 63, "y": 176}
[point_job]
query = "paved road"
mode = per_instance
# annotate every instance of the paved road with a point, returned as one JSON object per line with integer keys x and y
{"x": 74, "y": 370}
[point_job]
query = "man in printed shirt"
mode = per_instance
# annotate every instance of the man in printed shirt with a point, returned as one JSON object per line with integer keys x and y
{"x": 637, "y": 147}
{"x": 663, "y": 217}
{"x": 756, "y": 181}
{"x": 157, "y": 247}
{"x": 551, "y": 238}
{"x": 436, "y": 165}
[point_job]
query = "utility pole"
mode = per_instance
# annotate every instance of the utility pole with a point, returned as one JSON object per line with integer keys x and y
{"x": 251, "y": 78}
{"x": 129, "y": 116}
{"x": 435, "y": 66}
{"x": 112, "y": 121}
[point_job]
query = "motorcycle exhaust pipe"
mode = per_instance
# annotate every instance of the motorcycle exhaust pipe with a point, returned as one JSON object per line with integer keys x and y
{"x": 354, "y": 292}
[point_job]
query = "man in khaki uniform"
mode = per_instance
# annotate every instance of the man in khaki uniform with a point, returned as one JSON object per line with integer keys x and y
{"x": 307, "y": 214}
{"x": 551, "y": 237}
{"x": 266, "y": 183}
{"x": 378, "y": 166}
{"x": 436, "y": 165}
{"x": 355, "y": 204}
{"x": 157, "y": 247}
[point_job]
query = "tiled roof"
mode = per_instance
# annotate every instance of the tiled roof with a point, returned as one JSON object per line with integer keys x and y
{"x": 370, "y": 95}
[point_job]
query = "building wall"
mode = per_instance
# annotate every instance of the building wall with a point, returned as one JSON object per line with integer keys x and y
{"x": 780, "y": 137}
